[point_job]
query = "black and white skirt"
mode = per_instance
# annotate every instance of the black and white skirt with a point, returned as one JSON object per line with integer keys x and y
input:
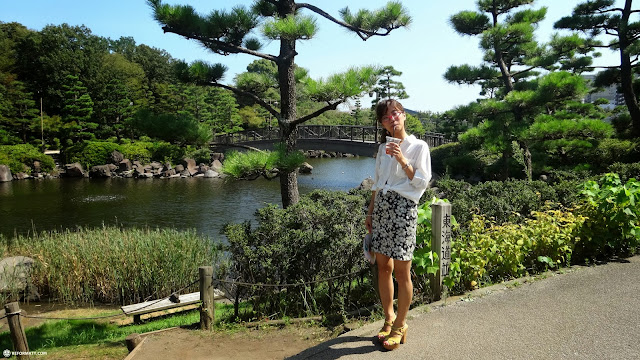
{"x": 394, "y": 225}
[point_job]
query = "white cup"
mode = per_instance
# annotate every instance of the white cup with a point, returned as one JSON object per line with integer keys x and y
{"x": 391, "y": 139}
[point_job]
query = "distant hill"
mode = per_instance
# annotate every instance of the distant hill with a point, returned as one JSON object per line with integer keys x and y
{"x": 410, "y": 112}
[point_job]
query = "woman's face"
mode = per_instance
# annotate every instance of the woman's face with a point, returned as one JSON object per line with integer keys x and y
{"x": 393, "y": 120}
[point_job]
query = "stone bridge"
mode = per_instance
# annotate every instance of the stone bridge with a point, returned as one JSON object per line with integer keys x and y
{"x": 357, "y": 140}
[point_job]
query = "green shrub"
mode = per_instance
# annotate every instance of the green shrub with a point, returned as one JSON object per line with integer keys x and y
{"x": 201, "y": 156}
{"x": 626, "y": 171}
{"x": 138, "y": 151}
{"x": 508, "y": 201}
{"x": 91, "y": 153}
{"x": 20, "y": 158}
{"x": 613, "y": 225}
{"x": 441, "y": 153}
{"x": 610, "y": 151}
{"x": 317, "y": 238}
{"x": 165, "y": 152}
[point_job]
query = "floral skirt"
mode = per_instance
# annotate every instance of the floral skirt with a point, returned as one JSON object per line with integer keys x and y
{"x": 394, "y": 225}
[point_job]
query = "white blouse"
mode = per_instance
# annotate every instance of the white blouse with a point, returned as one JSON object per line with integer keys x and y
{"x": 390, "y": 176}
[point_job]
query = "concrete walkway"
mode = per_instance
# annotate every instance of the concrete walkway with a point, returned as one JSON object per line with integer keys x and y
{"x": 582, "y": 313}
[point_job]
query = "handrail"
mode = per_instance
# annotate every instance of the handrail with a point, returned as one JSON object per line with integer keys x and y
{"x": 354, "y": 133}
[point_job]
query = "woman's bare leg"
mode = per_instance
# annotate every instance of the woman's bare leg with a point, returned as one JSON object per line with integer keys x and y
{"x": 402, "y": 270}
{"x": 385, "y": 285}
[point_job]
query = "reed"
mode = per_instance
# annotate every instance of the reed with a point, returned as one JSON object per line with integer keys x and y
{"x": 112, "y": 264}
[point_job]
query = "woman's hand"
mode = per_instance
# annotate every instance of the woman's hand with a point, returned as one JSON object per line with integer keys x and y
{"x": 394, "y": 150}
{"x": 368, "y": 224}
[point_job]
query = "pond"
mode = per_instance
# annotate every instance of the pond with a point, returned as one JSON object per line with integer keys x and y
{"x": 193, "y": 203}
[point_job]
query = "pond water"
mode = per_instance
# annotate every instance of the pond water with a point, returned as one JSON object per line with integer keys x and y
{"x": 193, "y": 203}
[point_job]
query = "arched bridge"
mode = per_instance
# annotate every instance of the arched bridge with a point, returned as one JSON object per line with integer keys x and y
{"x": 357, "y": 140}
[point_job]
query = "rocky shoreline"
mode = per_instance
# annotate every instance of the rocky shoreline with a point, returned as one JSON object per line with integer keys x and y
{"x": 119, "y": 167}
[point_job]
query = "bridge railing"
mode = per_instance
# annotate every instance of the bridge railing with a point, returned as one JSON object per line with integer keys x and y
{"x": 333, "y": 132}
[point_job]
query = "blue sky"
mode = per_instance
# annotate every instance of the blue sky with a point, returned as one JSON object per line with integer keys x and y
{"x": 422, "y": 52}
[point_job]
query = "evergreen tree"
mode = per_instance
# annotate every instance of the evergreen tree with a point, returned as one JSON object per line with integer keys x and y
{"x": 595, "y": 17}
{"x": 227, "y": 33}
{"x": 76, "y": 113}
{"x": 512, "y": 60}
{"x": 389, "y": 88}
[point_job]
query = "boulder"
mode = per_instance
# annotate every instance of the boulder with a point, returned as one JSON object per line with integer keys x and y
{"x": 155, "y": 165}
{"x": 125, "y": 165}
{"x": 169, "y": 173}
{"x": 112, "y": 167}
{"x": 210, "y": 174}
{"x": 203, "y": 169}
{"x": 100, "y": 171}
{"x": 167, "y": 166}
{"x": 37, "y": 167}
{"x": 146, "y": 175}
{"x": 116, "y": 157}
{"x": 305, "y": 168}
{"x": 216, "y": 165}
{"x": 217, "y": 156}
{"x": 74, "y": 170}
{"x": 366, "y": 184}
{"x": 15, "y": 276}
{"x": 137, "y": 163}
{"x": 179, "y": 168}
{"x": 190, "y": 165}
{"x": 5, "y": 173}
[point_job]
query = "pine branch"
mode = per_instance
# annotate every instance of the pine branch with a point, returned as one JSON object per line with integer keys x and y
{"x": 255, "y": 98}
{"x": 364, "y": 34}
{"x": 223, "y": 47}
{"x": 330, "y": 106}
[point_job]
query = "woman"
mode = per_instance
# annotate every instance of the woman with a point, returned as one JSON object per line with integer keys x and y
{"x": 403, "y": 171}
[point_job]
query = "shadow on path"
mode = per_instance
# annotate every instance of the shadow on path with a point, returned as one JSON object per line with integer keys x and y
{"x": 350, "y": 345}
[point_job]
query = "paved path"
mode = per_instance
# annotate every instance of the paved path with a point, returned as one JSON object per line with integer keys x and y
{"x": 584, "y": 313}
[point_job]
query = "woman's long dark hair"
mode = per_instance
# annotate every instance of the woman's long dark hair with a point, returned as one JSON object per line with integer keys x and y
{"x": 381, "y": 110}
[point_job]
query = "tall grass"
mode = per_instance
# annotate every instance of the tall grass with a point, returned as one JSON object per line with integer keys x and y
{"x": 111, "y": 264}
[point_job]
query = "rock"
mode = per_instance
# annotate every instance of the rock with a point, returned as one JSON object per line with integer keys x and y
{"x": 116, "y": 157}
{"x": 190, "y": 165}
{"x": 36, "y": 166}
{"x": 74, "y": 170}
{"x": 203, "y": 169}
{"x": 125, "y": 165}
{"x": 366, "y": 184}
{"x": 137, "y": 163}
{"x": 155, "y": 165}
{"x": 167, "y": 166}
{"x": 146, "y": 175}
{"x": 112, "y": 167}
{"x": 5, "y": 173}
{"x": 217, "y": 156}
{"x": 128, "y": 174}
{"x": 21, "y": 176}
{"x": 100, "y": 171}
{"x": 185, "y": 173}
{"x": 305, "y": 168}
{"x": 216, "y": 165}
{"x": 544, "y": 178}
{"x": 179, "y": 168}
{"x": 198, "y": 175}
{"x": 169, "y": 173}
{"x": 15, "y": 276}
{"x": 210, "y": 174}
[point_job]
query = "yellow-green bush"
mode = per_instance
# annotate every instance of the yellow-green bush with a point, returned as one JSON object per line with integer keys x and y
{"x": 486, "y": 252}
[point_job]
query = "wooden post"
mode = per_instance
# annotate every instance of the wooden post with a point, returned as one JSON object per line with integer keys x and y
{"x": 18, "y": 337}
{"x": 207, "y": 308}
{"x": 440, "y": 244}
{"x": 132, "y": 341}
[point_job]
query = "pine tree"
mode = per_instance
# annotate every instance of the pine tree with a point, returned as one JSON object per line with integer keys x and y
{"x": 227, "y": 33}
{"x": 595, "y": 17}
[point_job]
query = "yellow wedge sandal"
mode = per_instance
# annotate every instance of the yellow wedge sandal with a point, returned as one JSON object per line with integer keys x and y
{"x": 382, "y": 335}
{"x": 397, "y": 336}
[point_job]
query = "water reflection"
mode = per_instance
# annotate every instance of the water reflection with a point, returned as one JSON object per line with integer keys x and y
{"x": 203, "y": 204}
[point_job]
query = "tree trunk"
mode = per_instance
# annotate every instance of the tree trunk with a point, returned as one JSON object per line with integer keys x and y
{"x": 626, "y": 72}
{"x": 289, "y": 112}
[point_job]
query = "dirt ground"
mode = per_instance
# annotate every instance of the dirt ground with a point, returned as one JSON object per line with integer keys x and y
{"x": 264, "y": 343}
